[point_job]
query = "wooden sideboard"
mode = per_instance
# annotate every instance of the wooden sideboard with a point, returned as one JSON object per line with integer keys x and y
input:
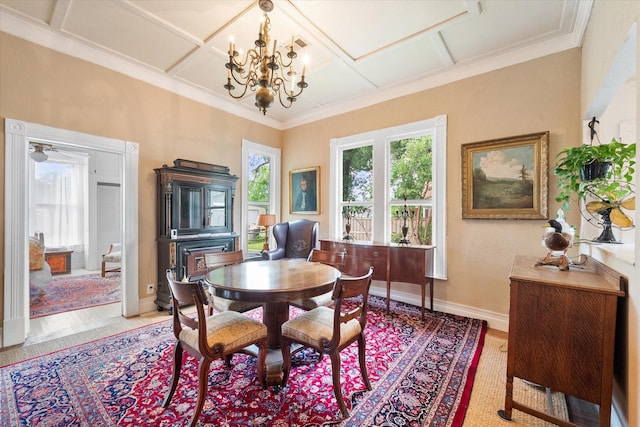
{"x": 391, "y": 263}
{"x": 562, "y": 331}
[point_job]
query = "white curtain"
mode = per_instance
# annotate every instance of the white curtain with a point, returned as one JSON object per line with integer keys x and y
{"x": 57, "y": 198}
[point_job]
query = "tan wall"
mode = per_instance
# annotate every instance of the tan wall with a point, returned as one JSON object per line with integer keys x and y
{"x": 42, "y": 86}
{"x": 535, "y": 96}
{"x": 609, "y": 25}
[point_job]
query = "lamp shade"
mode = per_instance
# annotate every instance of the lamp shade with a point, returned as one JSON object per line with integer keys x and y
{"x": 266, "y": 220}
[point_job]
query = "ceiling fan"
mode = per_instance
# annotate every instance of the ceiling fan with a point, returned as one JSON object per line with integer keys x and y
{"x": 38, "y": 154}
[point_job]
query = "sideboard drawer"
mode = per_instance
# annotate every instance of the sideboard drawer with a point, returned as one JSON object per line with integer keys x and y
{"x": 391, "y": 262}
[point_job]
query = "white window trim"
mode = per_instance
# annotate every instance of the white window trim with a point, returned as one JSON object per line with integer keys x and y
{"x": 438, "y": 127}
{"x": 274, "y": 202}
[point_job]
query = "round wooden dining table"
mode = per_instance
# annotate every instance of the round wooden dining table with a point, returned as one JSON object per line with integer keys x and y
{"x": 274, "y": 284}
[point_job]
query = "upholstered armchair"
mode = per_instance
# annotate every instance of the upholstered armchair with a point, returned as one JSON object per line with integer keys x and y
{"x": 294, "y": 239}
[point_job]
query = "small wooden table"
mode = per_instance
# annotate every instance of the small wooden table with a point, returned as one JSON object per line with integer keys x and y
{"x": 59, "y": 261}
{"x": 273, "y": 283}
{"x": 562, "y": 328}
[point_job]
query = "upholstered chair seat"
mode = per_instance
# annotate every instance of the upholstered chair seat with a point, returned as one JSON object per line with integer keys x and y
{"x": 208, "y": 338}
{"x": 331, "y": 330}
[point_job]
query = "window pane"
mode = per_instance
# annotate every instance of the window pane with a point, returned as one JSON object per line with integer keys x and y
{"x": 357, "y": 223}
{"x": 411, "y": 179}
{"x": 357, "y": 174}
{"x": 417, "y": 220}
{"x": 58, "y": 199}
{"x": 411, "y": 168}
{"x": 259, "y": 180}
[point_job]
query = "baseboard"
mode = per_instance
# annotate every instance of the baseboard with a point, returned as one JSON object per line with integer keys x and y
{"x": 494, "y": 320}
{"x": 146, "y": 305}
{"x": 618, "y": 417}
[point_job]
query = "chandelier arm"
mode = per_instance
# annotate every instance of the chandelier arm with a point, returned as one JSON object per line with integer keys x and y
{"x": 265, "y": 72}
{"x": 244, "y": 92}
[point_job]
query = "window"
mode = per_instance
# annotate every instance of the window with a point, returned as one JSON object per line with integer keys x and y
{"x": 260, "y": 190}
{"x": 58, "y": 198}
{"x": 389, "y": 187}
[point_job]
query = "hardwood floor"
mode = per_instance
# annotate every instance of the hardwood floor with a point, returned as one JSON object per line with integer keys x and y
{"x": 71, "y": 322}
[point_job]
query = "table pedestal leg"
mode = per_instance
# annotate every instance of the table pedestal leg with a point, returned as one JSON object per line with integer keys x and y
{"x": 274, "y": 315}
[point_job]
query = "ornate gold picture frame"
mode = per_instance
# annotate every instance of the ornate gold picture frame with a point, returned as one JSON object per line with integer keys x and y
{"x": 304, "y": 191}
{"x": 506, "y": 178}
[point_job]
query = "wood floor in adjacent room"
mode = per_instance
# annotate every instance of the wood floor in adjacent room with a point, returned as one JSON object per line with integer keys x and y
{"x": 58, "y": 325}
{"x": 72, "y": 322}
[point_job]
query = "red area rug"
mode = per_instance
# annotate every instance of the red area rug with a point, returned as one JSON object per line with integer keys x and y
{"x": 74, "y": 293}
{"x": 422, "y": 373}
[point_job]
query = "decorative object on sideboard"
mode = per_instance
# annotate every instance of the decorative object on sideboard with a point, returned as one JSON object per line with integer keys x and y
{"x": 557, "y": 238}
{"x": 265, "y": 72}
{"x": 601, "y": 176}
{"x": 404, "y": 214}
{"x": 266, "y": 221}
{"x": 348, "y": 214}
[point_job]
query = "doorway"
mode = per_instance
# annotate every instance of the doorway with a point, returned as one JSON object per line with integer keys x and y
{"x": 18, "y": 134}
{"x": 67, "y": 292}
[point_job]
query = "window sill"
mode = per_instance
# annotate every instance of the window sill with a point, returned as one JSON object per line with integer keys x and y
{"x": 620, "y": 257}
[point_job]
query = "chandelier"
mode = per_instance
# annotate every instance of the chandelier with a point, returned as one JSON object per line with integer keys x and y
{"x": 265, "y": 72}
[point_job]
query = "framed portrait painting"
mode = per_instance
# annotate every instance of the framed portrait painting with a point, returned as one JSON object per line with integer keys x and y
{"x": 506, "y": 178}
{"x": 304, "y": 191}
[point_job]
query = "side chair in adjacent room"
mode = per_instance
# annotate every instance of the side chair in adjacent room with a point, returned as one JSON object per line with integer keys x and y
{"x": 210, "y": 337}
{"x": 331, "y": 330}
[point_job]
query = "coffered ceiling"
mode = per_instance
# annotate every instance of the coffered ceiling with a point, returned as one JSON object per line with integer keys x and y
{"x": 360, "y": 52}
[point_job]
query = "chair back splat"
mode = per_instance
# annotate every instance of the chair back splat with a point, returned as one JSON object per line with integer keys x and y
{"x": 208, "y": 338}
{"x": 331, "y": 330}
{"x": 217, "y": 260}
{"x": 334, "y": 259}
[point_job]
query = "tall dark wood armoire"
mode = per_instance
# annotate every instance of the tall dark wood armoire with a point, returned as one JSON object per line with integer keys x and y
{"x": 195, "y": 217}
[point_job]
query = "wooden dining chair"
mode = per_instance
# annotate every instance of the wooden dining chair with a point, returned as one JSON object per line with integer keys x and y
{"x": 331, "y": 330}
{"x": 220, "y": 259}
{"x": 210, "y": 337}
{"x": 334, "y": 259}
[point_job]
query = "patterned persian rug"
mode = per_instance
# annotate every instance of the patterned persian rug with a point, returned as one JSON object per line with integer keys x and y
{"x": 421, "y": 372}
{"x": 74, "y": 293}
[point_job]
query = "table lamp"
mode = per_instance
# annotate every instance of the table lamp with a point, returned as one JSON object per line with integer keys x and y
{"x": 266, "y": 221}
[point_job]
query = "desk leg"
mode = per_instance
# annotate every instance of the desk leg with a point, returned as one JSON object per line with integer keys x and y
{"x": 388, "y": 294}
{"x": 424, "y": 285}
{"x": 431, "y": 293}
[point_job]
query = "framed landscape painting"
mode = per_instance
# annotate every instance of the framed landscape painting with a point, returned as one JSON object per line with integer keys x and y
{"x": 304, "y": 190}
{"x": 506, "y": 178}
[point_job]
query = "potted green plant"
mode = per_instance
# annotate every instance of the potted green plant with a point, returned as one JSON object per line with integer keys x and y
{"x": 605, "y": 171}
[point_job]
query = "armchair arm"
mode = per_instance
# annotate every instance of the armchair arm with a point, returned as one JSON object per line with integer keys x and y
{"x": 274, "y": 254}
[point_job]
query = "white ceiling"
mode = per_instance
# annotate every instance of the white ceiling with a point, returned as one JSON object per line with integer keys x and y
{"x": 360, "y": 52}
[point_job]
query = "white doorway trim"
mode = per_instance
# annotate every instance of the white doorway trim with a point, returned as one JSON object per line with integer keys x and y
{"x": 16, "y": 271}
